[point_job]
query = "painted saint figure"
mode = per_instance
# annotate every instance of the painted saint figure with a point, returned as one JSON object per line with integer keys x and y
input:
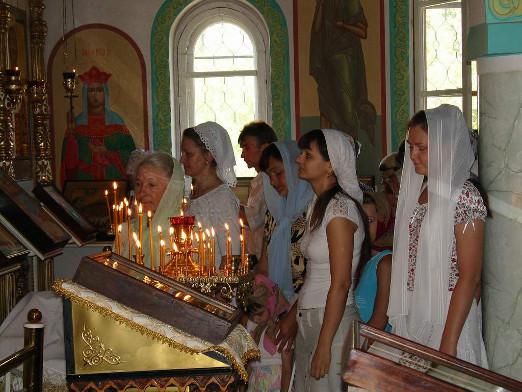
{"x": 337, "y": 65}
{"x": 97, "y": 146}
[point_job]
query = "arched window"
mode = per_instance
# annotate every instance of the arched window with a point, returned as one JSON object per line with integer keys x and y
{"x": 220, "y": 70}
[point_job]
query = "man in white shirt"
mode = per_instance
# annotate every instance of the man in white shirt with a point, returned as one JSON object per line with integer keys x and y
{"x": 253, "y": 139}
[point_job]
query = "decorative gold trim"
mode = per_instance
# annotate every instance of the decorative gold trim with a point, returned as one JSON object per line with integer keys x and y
{"x": 250, "y": 354}
{"x": 95, "y": 352}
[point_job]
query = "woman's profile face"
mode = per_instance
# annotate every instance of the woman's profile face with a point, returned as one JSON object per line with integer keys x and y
{"x": 418, "y": 143}
{"x": 193, "y": 158}
{"x": 276, "y": 173}
{"x": 312, "y": 165}
{"x": 151, "y": 183}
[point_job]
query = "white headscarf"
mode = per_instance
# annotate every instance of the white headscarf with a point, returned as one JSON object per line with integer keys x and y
{"x": 421, "y": 315}
{"x": 217, "y": 141}
{"x": 342, "y": 157}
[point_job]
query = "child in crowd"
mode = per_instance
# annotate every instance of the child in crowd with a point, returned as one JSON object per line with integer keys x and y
{"x": 373, "y": 291}
{"x": 273, "y": 371}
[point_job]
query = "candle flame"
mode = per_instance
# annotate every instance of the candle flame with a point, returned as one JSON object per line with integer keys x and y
{"x": 134, "y": 236}
{"x": 199, "y": 225}
{"x": 203, "y": 236}
{"x": 226, "y": 226}
{"x": 162, "y": 243}
{"x": 135, "y": 202}
{"x": 159, "y": 229}
{"x": 197, "y": 236}
{"x": 149, "y": 214}
{"x": 181, "y": 212}
{"x": 241, "y": 237}
{"x": 138, "y": 244}
{"x": 114, "y": 185}
{"x": 106, "y": 192}
{"x": 119, "y": 228}
{"x": 213, "y": 232}
{"x": 229, "y": 239}
{"x": 175, "y": 247}
{"x": 171, "y": 230}
{"x": 241, "y": 222}
{"x": 126, "y": 202}
{"x": 140, "y": 209}
{"x": 129, "y": 212}
{"x": 208, "y": 232}
{"x": 121, "y": 205}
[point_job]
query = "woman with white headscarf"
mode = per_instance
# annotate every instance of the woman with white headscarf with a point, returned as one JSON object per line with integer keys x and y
{"x": 207, "y": 157}
{"x": 437, "y": 258}
{"x": 333, "y": 242}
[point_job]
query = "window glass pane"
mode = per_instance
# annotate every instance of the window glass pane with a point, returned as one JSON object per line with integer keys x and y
{"x": 433, "y": 102}
{"x": 443, "y": 44}
{"x": 474, "y": 76}
{"x": 231, "y": 102}
{"x": 474, "y": 113}
{"x": 223, "y": 47}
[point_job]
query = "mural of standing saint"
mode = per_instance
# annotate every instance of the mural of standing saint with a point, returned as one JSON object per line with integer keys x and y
{"x": 98, "y": 144}
{"x": 337, "y": 65}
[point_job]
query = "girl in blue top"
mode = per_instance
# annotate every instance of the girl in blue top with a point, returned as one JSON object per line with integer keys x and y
{"x": 373, "y": 291}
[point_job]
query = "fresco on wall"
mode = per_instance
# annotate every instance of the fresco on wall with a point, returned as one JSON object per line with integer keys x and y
{"x": 337, "y": 65}
{"x": 107, "y": 120}
{"x": 340, "y": 46}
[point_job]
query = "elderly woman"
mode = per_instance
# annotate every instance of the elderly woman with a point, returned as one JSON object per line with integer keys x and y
{"x": 438, "y": 245}
{"x": 335, "y": 240}
{"x": 207, "y": 157}
{"x": 287, "y": 197}
{"x": 159, "y": 188}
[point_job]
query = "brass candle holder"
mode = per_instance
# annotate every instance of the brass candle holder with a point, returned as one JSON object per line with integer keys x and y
{"x": 11, "y": 91}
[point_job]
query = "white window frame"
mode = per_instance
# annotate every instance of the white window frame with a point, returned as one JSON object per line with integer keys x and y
{"x": 185, "y": 31}
{"x": 421, "y": 93}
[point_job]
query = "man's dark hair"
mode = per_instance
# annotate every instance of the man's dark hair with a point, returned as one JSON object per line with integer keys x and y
{"x": 263, "y": 132}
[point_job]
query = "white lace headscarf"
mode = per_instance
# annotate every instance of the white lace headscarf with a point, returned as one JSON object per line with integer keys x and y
{"x": 342, "y": 158}
{"x": 217, "y": 141}
{"x": 421, "y": 315}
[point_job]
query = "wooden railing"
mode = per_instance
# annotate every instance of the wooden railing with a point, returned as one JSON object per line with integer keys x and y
{"x": 384, "y": 366}
{"x": 31, "y": 355}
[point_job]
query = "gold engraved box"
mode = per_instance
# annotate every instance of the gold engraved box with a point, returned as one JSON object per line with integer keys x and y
{"x": 157, "y": 296}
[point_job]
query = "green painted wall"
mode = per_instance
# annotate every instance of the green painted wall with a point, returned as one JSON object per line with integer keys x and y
{"x": 161, "y": 78}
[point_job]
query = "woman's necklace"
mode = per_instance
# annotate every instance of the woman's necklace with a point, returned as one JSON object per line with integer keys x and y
{"x": 202, "y": 189}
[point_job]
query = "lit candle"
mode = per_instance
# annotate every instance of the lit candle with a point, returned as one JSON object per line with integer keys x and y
{"x": 108, "y": 207}
{"x": 213, "y": 250}
{"x": 138, "y": 252}
{"x": 140, "y": 222}
{"x": 135, "y": 240}
{"x": 151, "y": 243}
{"x": 228, "y": 265}
{"x": 129, "y": 214}
{"x": 119, "y": 240}
{"x": 136, "y": 206}
{"x": 243, "y": 253}
{"x": 160, "y": 239}
{"x": 162, "y": 255}
{"x": 227, "y": 236}
{"x": 209, "y": 254}
{"x": 171, "y": 237}
{"x": 115, "y": 188}
{"x": 115, "y": 218}
{"x": 120, "y": 213}
{"x": 203, "y": 251}
{"x": 175, "y": 253}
